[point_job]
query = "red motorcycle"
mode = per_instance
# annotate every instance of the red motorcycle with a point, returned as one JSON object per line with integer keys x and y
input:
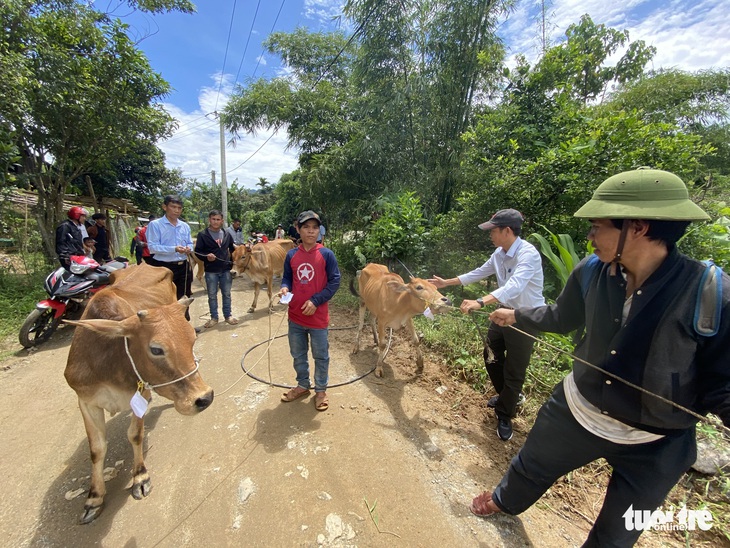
{"x": 67, "y": 290}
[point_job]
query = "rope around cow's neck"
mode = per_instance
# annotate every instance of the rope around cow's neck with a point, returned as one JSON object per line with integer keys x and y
{"x": 615, "y": 377}
{"x": 144, "y": 384}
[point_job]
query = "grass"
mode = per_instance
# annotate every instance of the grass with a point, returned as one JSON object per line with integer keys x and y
{"x": 21, "y": 287}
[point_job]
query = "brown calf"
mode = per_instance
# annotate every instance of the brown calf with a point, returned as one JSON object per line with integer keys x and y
{"x": 393, "y": 303}
{"x": 261, "y": 263}
{"x": 138, "y": 310}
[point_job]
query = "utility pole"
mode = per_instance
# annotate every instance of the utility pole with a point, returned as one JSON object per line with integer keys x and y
{"x": 212, "y": 178}
{"x": 224, "y": 182}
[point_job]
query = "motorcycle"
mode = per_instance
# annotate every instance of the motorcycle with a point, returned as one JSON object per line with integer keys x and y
{"x": 67, "y": 291}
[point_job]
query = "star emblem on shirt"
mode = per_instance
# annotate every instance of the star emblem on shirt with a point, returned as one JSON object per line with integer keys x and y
{"x": 305, "y": 271}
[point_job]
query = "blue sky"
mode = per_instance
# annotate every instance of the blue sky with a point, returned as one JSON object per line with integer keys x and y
{"x": 189, "y": 51}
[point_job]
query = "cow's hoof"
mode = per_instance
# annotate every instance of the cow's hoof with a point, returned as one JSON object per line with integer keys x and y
{"x": 142, "y": 489}
{"x": 90, "y": 514}
{"x": 378, "y": 372}
{"x": 251, "y": 310}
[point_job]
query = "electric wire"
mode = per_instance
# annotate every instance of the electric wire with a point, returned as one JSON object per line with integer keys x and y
{"x": 245, "y": 49}
{"x": 225, "y": 55}
{"x": 322, "y": 75}
{"x": 203, "y": 126}
{"x": 258, "y": 60}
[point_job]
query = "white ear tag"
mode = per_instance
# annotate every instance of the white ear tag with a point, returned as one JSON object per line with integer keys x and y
{"x": 429, "y": 314}
{"x": 139, "y": 404}
{"x": 285, "y": 299}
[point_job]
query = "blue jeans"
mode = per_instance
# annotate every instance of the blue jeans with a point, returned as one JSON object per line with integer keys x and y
{"x": 299, "y": 337}
{"x": 213, "y": 280}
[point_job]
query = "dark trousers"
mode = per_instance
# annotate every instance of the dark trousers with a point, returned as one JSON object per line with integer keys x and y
{"x": 507, "y": 366}
{"x": 182, "y": 277}
{"x": 642, "y": 474}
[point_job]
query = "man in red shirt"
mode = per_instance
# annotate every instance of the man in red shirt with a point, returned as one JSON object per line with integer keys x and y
{"x": 142, "y": 239}
{"x": 312, "y": 276}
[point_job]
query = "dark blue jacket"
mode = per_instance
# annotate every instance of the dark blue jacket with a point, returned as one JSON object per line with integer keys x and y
{"x": 657, "y": 348}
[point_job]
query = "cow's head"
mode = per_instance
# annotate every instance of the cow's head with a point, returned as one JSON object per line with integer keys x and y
{"x": 424, "y": 291}
{"x": 161, "y": 343}
{"x": 242, "y": 258}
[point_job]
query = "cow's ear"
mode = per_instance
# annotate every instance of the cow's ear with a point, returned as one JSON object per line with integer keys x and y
{"x": 398, "y": 287}
{"x": 109, "y": 328}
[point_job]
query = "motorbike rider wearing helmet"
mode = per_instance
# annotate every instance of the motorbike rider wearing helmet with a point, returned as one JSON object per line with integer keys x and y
{"x": 69, "y": 237}
{"x": 637, "y": 305}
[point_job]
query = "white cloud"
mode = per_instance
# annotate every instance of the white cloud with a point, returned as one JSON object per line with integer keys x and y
{"x": 195, "y": 147}
{"x": 322, "y": 11}
{"x": 688, "y": 34}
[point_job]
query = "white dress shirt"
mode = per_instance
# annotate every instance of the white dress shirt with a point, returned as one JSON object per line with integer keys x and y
{"x": 163, "y": 237}
{"x": 519, "y": 275}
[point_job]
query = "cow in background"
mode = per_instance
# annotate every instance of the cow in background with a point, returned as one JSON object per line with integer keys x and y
{"x": 132, "y": 337}
{"x": 261, "y": 262}
{"x": 197, "y": 262}
{"x": 393, "y": 303}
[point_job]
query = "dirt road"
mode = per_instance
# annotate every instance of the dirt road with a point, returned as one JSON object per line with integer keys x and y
{"x": 251, "y": 471}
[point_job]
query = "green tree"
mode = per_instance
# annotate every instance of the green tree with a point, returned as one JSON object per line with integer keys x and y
{"x": 88, "y": 95}
{"x": 398, "y": 232}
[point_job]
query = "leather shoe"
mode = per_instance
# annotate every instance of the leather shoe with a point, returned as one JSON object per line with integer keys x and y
{"x": 504, "y": 429}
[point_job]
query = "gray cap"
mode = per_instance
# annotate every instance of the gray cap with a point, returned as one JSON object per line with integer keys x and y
{"x": 305, "y": 216}
{"x": 503, "y": 217}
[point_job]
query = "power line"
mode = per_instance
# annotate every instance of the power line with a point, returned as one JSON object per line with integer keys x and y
{"x": 258, "y": 61}
{"x": 204, "y": 126}
{"x": 324, "y": 72}
{"x": 193, "y": 120}
{"x": 225, "y": 56}
{"x": 245, "y": 49}
{"x": 252, "y": 154}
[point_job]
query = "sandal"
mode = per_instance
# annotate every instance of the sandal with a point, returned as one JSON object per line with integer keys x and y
{"x": 481, "y": 507}
{"x": 321, "y": 402}
{"x": 230, "y": 320}
{"x": 295, "y": 393}
{"x": 211, "y": 322}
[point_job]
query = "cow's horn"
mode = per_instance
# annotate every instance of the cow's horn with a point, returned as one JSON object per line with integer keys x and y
{"x": 185, "y": 301}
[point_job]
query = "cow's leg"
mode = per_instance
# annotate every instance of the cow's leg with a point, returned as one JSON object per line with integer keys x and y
{"x": 269, "y": 285}
{"x": 382, "y": 343}
{"x": 141, "y": 485}
{"x": 95, "y": 424}
{"x": 411, "y": 329}
{"x": 360, "y": 323}
{"x": 374, "y": 329}
{"x": 256, "y": 289}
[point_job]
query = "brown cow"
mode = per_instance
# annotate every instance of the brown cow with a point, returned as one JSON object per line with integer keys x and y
{"x": 134, "y": 338}
{"x": 197, "y": 262}
{"x": 261, "y": 263}
{"x": 393, "y": 303}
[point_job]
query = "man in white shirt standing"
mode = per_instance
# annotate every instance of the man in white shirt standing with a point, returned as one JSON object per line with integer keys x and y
{"x": 518, "y": 268}
{"x": 170, "y": 242}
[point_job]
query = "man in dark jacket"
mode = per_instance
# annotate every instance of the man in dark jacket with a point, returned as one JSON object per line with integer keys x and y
{"x": 99, "y": 232}
{"x": 638, "y": 307}
{"x": 69, "y": 240}
{"x": 215, "y": 247}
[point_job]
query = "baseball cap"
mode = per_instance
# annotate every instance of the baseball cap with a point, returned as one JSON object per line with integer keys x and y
{"x": 305, "y": 216}
{"x": 503, "y": 217}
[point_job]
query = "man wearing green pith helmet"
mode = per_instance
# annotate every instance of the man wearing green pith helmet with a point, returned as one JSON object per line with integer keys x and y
{"x": 637, "y": 301}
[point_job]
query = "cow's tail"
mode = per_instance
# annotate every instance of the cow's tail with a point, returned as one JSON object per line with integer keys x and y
{"x": 352, "y": 284}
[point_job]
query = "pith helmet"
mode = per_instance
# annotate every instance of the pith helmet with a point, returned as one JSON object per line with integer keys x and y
{"x": 642, "y": 193}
